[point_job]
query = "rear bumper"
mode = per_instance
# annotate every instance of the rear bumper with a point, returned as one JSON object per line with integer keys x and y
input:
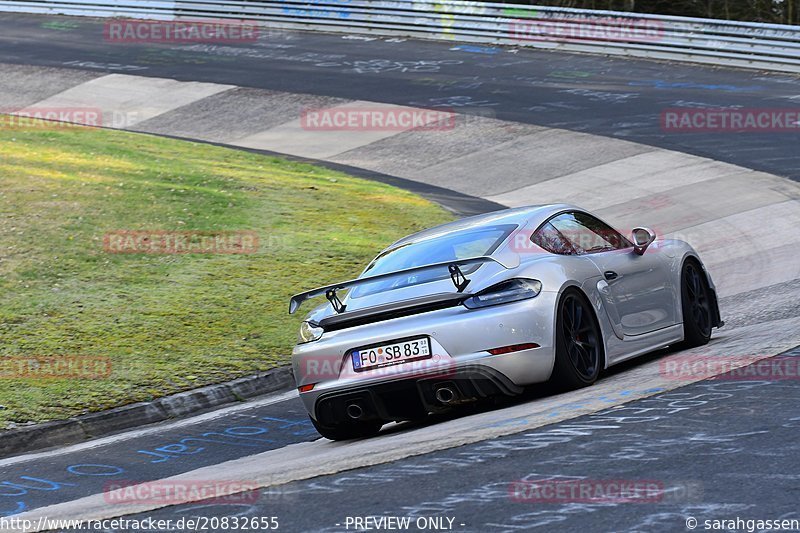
{"x": 460, "y": 340}
{"x": 411, "y": 398}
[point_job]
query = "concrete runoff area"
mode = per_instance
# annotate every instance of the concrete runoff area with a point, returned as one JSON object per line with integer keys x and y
{"x": 627, "y": 183}
{"x": 125, "y": 100}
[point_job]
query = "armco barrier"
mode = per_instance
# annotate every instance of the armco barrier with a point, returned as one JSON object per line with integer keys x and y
{"x": 739, "y": 44}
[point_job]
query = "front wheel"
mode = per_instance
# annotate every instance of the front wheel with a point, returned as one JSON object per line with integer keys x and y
{"x": 579, "y": 344}
{"x": 348, "y": 431}
{"x": 695, "y": 305}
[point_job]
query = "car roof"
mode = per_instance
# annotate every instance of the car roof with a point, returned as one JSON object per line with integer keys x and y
{"x": 521, "y": 216}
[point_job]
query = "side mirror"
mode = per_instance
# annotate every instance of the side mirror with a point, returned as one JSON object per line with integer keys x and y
{"x": 642, "y": 238}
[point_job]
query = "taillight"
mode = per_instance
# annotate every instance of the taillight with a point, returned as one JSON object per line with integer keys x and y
{"x": 512, "y": 290}
{"x": 306, "y": 388}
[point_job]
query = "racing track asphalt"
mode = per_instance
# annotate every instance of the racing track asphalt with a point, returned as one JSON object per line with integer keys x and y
{"x": 575, "y": 92}
{"x": 718, "y": 449}
{"x": 608, "y": 96}
{"x": 714, "y": 447}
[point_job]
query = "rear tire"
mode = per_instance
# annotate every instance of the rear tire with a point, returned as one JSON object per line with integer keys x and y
{"x": 348, "y": 431}
{"x": 695, "y": 306}
{"x": 579, "y": 343}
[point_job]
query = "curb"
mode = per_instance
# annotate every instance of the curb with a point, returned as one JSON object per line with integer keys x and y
{"x": 93, "y": 425}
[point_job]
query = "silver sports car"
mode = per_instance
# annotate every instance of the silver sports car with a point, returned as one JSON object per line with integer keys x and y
{"x": 489, "y": 304}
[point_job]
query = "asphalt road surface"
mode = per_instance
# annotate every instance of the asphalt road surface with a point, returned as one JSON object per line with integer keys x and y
{"x": 608, "y": 96}
{"x": 715, "y": 450}
{"x": 711, "y": 450}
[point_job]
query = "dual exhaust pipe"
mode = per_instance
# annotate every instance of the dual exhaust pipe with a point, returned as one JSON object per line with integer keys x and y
{"x": 444, "y": 394}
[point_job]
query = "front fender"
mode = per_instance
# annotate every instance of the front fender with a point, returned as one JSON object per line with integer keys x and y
{"x": 683, "y": 251}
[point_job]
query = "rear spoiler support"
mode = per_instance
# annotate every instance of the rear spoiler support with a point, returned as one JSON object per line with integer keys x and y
{"x": 337, "y": 304}
{"x": 458, "y": 277}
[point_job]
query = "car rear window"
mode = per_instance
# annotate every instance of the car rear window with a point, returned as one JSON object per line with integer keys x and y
{"x": 474, "y": 242}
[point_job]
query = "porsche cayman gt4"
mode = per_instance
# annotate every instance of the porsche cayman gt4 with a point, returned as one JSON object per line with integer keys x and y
{"x": 488, "y": 305}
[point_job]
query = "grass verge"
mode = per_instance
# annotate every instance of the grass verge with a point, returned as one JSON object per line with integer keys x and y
{"x": 166, "y": 322}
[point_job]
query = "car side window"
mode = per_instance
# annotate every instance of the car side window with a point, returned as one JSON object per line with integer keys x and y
{"x": 549, "y": 238}
{"x": 587, "y": 234}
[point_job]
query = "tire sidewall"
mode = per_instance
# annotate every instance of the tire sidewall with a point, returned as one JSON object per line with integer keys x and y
{"x": 692, "y": 335}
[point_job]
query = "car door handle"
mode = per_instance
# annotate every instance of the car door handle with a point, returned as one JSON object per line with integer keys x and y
{"x": 610, "y": 275}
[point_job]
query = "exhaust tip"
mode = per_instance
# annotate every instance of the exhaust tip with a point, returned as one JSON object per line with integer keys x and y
{"x": 354, "y": 411}
{"x": 445, "y": 395}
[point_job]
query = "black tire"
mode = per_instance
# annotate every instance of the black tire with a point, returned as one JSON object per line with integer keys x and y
{"x": 579, "y": 343}
{"x": 349, "y": 430}
{"x": 695, "y": 305}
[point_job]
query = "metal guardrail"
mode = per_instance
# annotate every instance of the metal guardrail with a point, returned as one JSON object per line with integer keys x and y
{"x": 739, "y": 44}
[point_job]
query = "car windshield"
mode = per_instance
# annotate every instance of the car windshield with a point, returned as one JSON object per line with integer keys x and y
{"x": 464, "y": 244}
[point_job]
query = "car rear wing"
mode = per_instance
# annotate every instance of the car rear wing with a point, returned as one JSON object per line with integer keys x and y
{"x": 329, "y": 291}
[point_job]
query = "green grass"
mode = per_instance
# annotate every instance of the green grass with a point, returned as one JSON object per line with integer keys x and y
{"x": 167, "y": 322}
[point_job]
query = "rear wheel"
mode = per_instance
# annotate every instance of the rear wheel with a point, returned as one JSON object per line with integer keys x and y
{"x": 348, "y": 431}
{"x": 579, "y": 344}
{"x": 696, "y": 306}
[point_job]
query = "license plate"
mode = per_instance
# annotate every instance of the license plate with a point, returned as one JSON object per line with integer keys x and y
{"x": 391, "y": 354}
